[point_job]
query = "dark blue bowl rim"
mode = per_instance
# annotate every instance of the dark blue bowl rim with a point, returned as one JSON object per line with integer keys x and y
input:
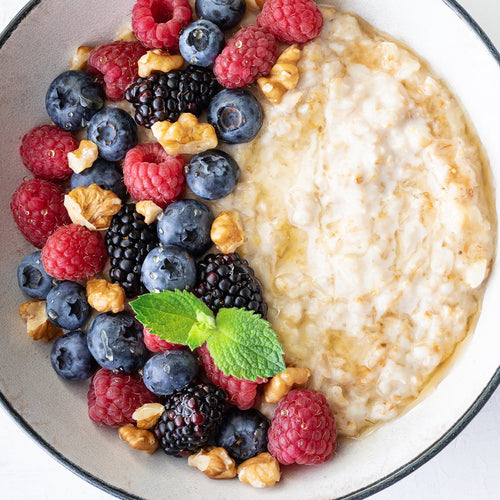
{"x": 367, "y": 491}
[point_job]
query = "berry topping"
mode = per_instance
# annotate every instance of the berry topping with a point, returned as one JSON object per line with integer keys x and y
{"x": 242, "y": 393}
{"x": 303, "y": 429}
{"x": 186, "y": 224}
{"x": 114, "y": 131}
{"x": 201, "y": 42}
{"x": 128, "y": 240}
{"x": 44, "y": 151}
{"x": 165, "y": 96}
{"x": 291, "y": 21}
{"x": 32, "y": 278}
{"x": 212, "y": 175}
{"x": 116, "y": 342}
{"x": 168, "y": 268}
{"x": 243, "y": 433}
{"x": 67, "y": 305}
{"x": 105, "y": 174}
{"x": 37, "y": 207}
{"x": 236, "y": 115}
{"x": 249, "y": 54}
{"x": 157, "y": 23}
{"x": 117, "y": 62}
{"x": 71, "y": 358}
{"x": 113, "y": 397}
{"x": 190, "y": 417}
{"x": 150, "y": 173}
{"x": 170, "y": 371}
{"x": 224, "y": 13}
{"x": 156, "y": 344}
{"x": 228, "y": 281}
{"x": 74, "y": 252}
{"x": 72, "y": 99}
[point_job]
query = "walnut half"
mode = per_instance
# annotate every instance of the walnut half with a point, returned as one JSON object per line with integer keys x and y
{"x": 214, "y": 462}
{"x": 284, "y": 75}
{"x": 227, "y": 232}
{"x": 149, "y": 209}
{"x": 281, "y": 384}
{"x": 38, "y": 324}
{"x": 186, "y": 136}
{"x": 104, "y": 296}
{"x": 139, "y": 439}
{"x": 148, "y": 415}
{"x": 260, "y": 471}
{"x": 158, "y": 60}
{"x": 84, "y": 157}
{"x": 92, "y": 206}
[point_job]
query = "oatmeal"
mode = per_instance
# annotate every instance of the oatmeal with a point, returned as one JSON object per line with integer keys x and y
{"x": 366, "y": 213}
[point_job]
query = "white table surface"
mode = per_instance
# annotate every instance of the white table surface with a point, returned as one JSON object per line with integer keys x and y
{"x": 468, "y": 468}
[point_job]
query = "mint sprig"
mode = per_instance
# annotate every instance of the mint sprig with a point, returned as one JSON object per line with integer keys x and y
{"x": 245, "y": 343}
{"x": 178, "y": 317}
{"x": 241, "y": 343}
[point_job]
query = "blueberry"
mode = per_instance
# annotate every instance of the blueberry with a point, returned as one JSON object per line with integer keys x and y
{"x": 105, "y": 174}
{"x": 71, "y": 358}
{"x": 168, "y": 268}
{"x": 201, "y": 42}
{"x": 72, "y": 99}
{"x": 32, "y": 278}
{"x": 224, "y": 13}
{"x": 170, "y": 371}
{"x": 213, "y": 174}
{"x": 67, "y": 305}
{"x": 114, "y": 131}
{"x": 186, "y": 224}
{"x": 243, "y": 433}
{"x": 117, "y": 343}
{"x": 236, "y": 115}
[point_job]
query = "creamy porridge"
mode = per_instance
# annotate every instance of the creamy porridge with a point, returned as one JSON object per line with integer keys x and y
{"x": 365, "y": 207}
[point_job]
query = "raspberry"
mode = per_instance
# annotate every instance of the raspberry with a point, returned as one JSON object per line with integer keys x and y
{"x": 44, "y": 151}
{"x": 74, "y": 252}
{"x": 150, "y": 173}
{"x": 156, "y": 344}
{"x": 242, "y": 393}
{"x": 38, "y": 210}
{"x": 157, "y": 23}
{"x": 249, "y": 54}
{"x": 291, "y": 21}
{"x": 117, "y": 62}
{"x": 113, "y": 397}
{"x": 303, "y": 429}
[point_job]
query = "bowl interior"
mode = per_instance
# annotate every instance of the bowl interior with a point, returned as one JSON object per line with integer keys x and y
{"x": 35, "y": 52}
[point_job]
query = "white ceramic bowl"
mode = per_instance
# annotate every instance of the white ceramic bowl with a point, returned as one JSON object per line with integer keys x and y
{"x": 33, "y": 50}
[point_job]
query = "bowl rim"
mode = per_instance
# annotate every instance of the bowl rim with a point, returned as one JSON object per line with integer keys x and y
{"x": 364, "y": 492}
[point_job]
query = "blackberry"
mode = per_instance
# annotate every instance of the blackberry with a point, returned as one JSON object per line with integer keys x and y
{"x": 226, "y": 280}
{"x": 165, "y": 96}
{"x": 128, "y": 240}
{"x": 190, "y": 418}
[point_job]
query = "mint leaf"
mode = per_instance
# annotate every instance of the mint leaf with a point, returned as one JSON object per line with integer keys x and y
{"x": 204, "y": 327}
{"x": 178, "y": 317}
{"x": 241, "y": 342}
{"x": 245, "y": 346}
